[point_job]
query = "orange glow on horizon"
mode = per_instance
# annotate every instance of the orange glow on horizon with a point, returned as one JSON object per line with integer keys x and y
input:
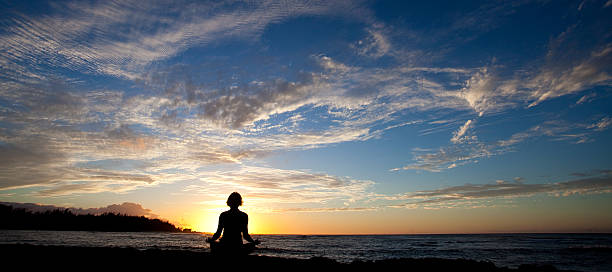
{"x": 504, "y": 219}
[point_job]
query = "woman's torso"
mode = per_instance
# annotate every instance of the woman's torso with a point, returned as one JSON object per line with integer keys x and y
{"x": 234, "y": 222}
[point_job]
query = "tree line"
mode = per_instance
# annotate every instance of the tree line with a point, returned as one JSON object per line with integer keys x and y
{"x": 22, "y": 219}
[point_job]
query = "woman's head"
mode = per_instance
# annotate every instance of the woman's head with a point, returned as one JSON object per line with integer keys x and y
{"x": 234, "y": 200}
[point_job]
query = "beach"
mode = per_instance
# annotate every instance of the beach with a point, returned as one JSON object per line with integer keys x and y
{"x": 26, "y": 256}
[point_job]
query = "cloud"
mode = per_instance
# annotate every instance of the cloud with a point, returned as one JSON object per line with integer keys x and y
{"x": 602, "y": 124}
{"x": 102, "y": 38}
{"x": 331, "y": 65}
{"x": 245, "y": 106}
{"x": 458, "y": 136}
{"x": 557, "y": 130}
{"x": 235, "y": 124}
{"x": 468, "y": 149}
{"x": 180, "y": 122}
{"x": 56, "y": 157}
{"x": 586, "y": 98}
{"x": 518, "y": 179}
{"x": 565, "y": 70}
{"x": 342, "y": 89}
{"x": 278, "y": 188}
{"x": 126, "y": 208}
{"x": 449, "y": 157}
{"x": 311, "y": 210}
{"x": 239, "y": 107}
{"x": 91, "y": 181}
{"x": 376, "y": 44}
{"x": 486, "y": 92}
{"x": 592, "y": 173}
{"x": 53, "y": 161}
{"x": 552, "y": 82}
{"x": 478, "y": 91}
{"x": 30, "y": 163}
{"x": 549, "y": 128}
{"x": 504, "y": 190}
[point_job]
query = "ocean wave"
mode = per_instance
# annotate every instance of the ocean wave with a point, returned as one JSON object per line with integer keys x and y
{"x": 285, "y": 251}
{"x": 592, "y": 248}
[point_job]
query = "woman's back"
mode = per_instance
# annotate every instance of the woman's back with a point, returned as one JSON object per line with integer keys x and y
{"x": 234, "y": 223}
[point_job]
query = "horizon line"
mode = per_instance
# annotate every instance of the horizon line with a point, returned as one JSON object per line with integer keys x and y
{"x": 400, "y": 234}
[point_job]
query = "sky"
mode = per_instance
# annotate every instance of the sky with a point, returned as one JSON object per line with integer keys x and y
{"x": 329, "y": 117}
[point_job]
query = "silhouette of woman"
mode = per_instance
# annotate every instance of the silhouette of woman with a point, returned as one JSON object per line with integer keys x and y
{"x": 233, "y": 223}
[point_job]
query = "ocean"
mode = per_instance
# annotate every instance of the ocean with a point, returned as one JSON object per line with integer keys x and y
{"x": 581, "y": 252}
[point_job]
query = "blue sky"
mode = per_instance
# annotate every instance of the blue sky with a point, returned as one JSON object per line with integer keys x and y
{"x": 327, "y": 107}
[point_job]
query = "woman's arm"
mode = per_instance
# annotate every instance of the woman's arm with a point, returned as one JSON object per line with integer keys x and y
{"x": 219, "y": 229}
{"x": 245, "y": 232}
{"x": 247, "y": 237}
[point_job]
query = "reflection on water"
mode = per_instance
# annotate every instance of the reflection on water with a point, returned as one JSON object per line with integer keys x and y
{"x": 584, "y": 252}
{"x": 140, "y": 240}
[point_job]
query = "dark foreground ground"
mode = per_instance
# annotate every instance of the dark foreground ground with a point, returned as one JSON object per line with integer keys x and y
{"x": 27, "y": 257}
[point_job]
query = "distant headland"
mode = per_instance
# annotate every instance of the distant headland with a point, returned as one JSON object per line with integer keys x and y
{"x": 65, "y": 220}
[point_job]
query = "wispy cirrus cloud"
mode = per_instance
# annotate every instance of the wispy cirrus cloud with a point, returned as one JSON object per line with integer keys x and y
{"x": 602, "y": 124}
{"x": 448, "y": 157}
{"x": 559, "y": 75}
{"x": 101, "y": 37}
{"x": 311, "y": 210}
{"x": 470, "y": 149}
{"x": 553, "y": 82}
{"x": 283, "y": 187}
{"x": 376, "y": 44}
{"x": 460, "y": 135}
{"x": 505, "y": 190}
